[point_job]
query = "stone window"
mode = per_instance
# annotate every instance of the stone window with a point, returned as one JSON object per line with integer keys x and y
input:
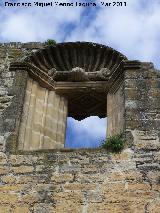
{"x": 70, "y": 79}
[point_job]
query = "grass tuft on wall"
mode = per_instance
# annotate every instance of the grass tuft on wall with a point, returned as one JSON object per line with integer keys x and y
{"x": 115, "y": 143}
{"x": 50, "y": 42}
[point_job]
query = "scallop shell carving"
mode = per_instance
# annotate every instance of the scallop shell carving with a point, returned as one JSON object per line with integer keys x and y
{"x": 90, "y": 57}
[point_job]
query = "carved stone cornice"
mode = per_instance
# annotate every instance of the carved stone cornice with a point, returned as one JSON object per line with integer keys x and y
{"x": 37, "y": 74}
{"x": 72, "y": 62}
{"x": 18, "y": 66}
{"x": 78, "y": 74}
{"x": 88, "y": 56}
{"x": 132, "y": 64}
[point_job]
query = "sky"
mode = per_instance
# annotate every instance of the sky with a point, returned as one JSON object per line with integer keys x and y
{"x": 134, "y": 30}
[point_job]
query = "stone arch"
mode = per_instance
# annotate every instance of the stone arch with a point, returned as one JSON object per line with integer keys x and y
{"x": 60, "y": 62}
{"x": 65, "y": 56}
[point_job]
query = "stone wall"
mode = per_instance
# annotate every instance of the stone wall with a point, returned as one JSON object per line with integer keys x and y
{"x": 115, "y": 111}
{"x": 12, "y": 90}
{"x": 142, "y": 106}
{"x": 82, "y": 181}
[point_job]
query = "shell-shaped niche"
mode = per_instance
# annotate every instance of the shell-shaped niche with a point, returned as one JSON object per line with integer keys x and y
{"x": 65, "y": 56}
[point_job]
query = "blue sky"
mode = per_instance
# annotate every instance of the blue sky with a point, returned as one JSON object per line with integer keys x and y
{"x": 133, "y": 30}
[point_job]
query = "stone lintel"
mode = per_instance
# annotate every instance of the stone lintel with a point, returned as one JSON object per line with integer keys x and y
{"x": 68, "y": 87}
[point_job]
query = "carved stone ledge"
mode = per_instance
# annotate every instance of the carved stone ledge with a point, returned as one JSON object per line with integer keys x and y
{"x": 69, "y": 87}
{"x": 135, "y": 64}
{"x": 18, "y": 66}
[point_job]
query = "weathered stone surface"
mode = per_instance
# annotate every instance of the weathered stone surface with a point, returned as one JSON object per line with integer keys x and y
{"x": 83, "y": 181}
{"x": 44, "y": 116}
{"x": 117, "y": 186}
{"x": 115, "y": 112}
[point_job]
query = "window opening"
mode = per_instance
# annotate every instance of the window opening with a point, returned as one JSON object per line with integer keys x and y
{"x": 87, "y": 133}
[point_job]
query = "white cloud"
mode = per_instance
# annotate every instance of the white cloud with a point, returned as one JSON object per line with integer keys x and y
{"x": 94, "y": 126}
{"x": 134, "y": 30}
{"x": 36, "y": 23}
{"x": 86, "y": 133}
